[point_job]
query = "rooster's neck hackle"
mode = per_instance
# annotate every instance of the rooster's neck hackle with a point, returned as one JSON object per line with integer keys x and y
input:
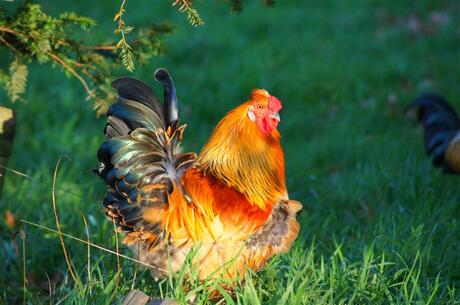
{"x": 246, "y": 159}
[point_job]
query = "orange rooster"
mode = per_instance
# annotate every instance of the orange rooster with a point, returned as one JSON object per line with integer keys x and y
{"x": 230, "y": 202}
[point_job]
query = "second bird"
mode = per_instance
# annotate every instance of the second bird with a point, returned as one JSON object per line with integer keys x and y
{"x": 441, "y": 131}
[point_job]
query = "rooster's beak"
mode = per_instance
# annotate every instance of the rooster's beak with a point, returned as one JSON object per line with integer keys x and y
{"x": 275, "y": 116}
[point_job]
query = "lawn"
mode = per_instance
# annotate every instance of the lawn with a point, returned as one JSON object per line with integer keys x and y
{"x": 379, "y": 224}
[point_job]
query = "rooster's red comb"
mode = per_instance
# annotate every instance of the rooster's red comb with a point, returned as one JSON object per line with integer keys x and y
{"x": 274, "y": 104}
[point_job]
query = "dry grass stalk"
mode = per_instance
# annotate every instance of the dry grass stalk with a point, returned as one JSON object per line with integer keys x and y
{"x": 93, "y": 245}
{"x": 89, "y": 251}
{"x": 58, "y": 226}
{"x": 118, "y": 254}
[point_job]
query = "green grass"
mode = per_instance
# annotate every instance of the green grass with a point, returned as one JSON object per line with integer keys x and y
{"x": 379, "y": 224}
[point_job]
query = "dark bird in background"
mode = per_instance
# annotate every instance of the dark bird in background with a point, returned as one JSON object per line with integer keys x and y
{"x": 441, "y": 126}
{"x": 230, "y": 202}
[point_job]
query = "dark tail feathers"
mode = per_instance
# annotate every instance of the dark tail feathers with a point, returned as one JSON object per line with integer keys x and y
{"x": 170, "y": 98}
{"x": 138, "y": 107}
{"x": 441, "y": 124}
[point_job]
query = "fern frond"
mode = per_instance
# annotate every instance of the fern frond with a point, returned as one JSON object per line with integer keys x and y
{"x": 127, "y": 57}
{"x": 17, "y": 80}
{"x": 185, "y": 6}
{"x": 83, "y": 22}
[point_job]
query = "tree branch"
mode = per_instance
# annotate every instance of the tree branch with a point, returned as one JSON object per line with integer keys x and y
{"x": 7, "y": 30}
{"x": 102, "y": 48}
{"x": 71, "y": 70}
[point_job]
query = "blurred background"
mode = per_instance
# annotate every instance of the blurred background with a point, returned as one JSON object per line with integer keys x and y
{"x": 379, "y": 224}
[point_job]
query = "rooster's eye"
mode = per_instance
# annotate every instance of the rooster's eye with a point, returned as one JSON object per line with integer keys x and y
{"x": 259, "y": 106}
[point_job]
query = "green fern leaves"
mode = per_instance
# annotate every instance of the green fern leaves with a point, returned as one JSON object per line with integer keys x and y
{"x": 16, "y": 85}
{"x": 31, "y": 35}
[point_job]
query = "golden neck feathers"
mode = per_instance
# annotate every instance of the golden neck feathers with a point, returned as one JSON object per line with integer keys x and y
{"x": 246, "y": 159}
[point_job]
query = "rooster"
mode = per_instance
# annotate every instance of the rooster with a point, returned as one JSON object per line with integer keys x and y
{"x": 229, "y": 203}
{"x": 441, "y": 131}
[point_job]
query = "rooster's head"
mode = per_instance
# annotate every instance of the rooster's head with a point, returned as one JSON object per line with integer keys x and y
{"x": 263, "y": 110}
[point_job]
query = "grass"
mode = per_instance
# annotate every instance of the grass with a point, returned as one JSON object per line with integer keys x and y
{"x": 379, "y": 224}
